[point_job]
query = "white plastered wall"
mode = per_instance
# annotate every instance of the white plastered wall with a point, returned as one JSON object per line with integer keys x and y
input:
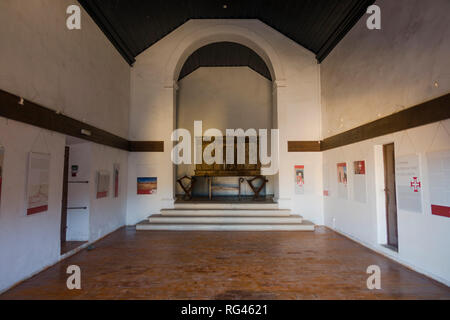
{"x": 28, "y": 243}
{"x": 80, "y": 74}
{"x": 371, "y": 74}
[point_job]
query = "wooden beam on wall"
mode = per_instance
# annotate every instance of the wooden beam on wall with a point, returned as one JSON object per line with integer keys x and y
{"x": 147, "y": 146}
{"x": 428, "y": 112}
{"x": 33, "y": 114}
{"x": 425, "y": 113}
{"x": 303, "y": 146}
{"x": 36, "y": 115}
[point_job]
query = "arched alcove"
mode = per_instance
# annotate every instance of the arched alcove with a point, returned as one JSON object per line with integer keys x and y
{"x": 225, "y": 54}
{"x": 226, "y": 85}
{"x": 220, "y": 31}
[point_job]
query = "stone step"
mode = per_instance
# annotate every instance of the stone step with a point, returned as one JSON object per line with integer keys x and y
{"x": 158, "y": 218}
{"x": 226, "y": 205}
{"x": 304, "y": 226}
{"x": 226, "y": 212}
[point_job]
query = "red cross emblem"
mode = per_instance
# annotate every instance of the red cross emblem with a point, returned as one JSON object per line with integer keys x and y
{"x": 415, "y": 184}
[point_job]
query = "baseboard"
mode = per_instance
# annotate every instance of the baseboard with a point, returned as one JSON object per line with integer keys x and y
{"x": 61, "y": 258}
{"x": 393, "y": 256}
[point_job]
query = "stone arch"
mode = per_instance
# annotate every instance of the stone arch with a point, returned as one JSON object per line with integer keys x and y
{"x": 228, "y": 32}
{"x": 220, "y": 33}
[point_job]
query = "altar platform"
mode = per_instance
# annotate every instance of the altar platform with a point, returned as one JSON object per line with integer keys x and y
{"x": 226, "y": 214}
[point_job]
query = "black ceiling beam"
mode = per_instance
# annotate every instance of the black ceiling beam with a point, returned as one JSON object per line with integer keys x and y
{"x": 108, "y": 29}
{"x": 134, "y": 26}
{"x": 358, "y": 10}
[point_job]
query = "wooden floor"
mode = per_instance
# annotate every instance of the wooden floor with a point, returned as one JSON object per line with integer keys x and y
{"x": 67, "y": 246}
{"x": 228, "y": 265}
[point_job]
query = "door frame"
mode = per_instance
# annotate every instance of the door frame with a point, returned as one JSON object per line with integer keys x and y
{"x": 389, "y": 242}
{"x": 63, "y": 228}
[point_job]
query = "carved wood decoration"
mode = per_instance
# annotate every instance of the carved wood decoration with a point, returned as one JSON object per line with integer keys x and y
{"x": 257, "y": 190}
{"x": 187, "y": 188}
{"x": 229, "y": 170}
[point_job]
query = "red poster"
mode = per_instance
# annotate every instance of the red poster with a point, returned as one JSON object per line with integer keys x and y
{"x": 102, "y": 194}
{"x": 342, "y": 173}
{"x": 359, "y": 167}
{"x": 116, "y": 180}
{"x": 442, "y": 211}
{"x": 35, "y": 210}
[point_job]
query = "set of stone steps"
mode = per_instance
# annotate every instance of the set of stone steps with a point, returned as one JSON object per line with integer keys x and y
{"x": 226, "y": 217}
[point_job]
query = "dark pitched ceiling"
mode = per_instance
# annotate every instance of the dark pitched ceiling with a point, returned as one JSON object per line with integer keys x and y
{"x": 225, "y": 54}
{"x": 134, "y": 25}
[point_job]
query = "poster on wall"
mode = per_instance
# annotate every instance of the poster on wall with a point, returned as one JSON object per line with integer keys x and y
{"x": 116, "y": 170}
{"x": 439, "y": 177}
{"x": 299, "y": 179}
{"x": 359, "y": 181}
{"x": 409, "y": 183}
{"x": 102, "y": 184}
{"x": 326, "y": 180}
{"x": 147, "y": 185}
{"x": 37, "y": 183}
{"x": 74, "y": 170}
{"x": 342, "y": 180}
{"x": 2, "y": 156}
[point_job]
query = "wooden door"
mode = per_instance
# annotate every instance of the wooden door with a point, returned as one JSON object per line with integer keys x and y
{"x": 64, "y": 195}
{"x": 391, "y": 199}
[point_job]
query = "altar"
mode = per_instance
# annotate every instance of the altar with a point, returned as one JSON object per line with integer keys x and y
{"x": 245, "y": 173}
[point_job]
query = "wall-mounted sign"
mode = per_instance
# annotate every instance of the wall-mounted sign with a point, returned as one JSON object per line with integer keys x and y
{"x": 342, "y": 172}
{"x": 2, "y": 156}
{"x": 359, "y": 167}
{"x": 326, "y": 180}
{"x": 409, "y": 183}
{"x": 147, "y": 185}
{"x": 116, "y": 169}
{"x": 359, "y": 181}
{"x": 102, "y": 184}
{"x": 439, "y": 179}
{"x": 38, "y": 183}
{"x": 342, "y": 180}
{"x": 74, "y": 170}
{"x": 299, "y": 179}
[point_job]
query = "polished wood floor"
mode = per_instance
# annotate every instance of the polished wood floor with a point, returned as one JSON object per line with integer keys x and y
{"x": 228, "y": 265}
{"x": 67, "y": 246}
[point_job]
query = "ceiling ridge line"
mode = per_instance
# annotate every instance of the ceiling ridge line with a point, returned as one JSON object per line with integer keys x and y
{"x": 343, "y": 28}
{"x": 108, "y": 29}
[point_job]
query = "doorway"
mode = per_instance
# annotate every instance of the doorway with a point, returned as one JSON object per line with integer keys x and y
{"x": 75, "y": 195}
{"x": 64, "y": 197}
{"x": 390, "y": 196}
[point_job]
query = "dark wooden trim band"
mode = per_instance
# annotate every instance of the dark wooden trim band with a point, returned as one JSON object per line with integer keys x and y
{"x": 146, "y": 146}
{"x": 36, "y": 115}
{"x": 425, "y": 113}
{"x": 31, "y": 113}
{"x": 303, "y": 146}
{"x": 428, "y": 112}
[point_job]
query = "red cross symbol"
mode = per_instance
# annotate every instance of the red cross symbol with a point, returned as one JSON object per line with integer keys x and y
{"x": 415, "y": 184}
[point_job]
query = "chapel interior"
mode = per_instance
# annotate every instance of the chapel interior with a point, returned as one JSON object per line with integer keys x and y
{"x": 225, "y": 150}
